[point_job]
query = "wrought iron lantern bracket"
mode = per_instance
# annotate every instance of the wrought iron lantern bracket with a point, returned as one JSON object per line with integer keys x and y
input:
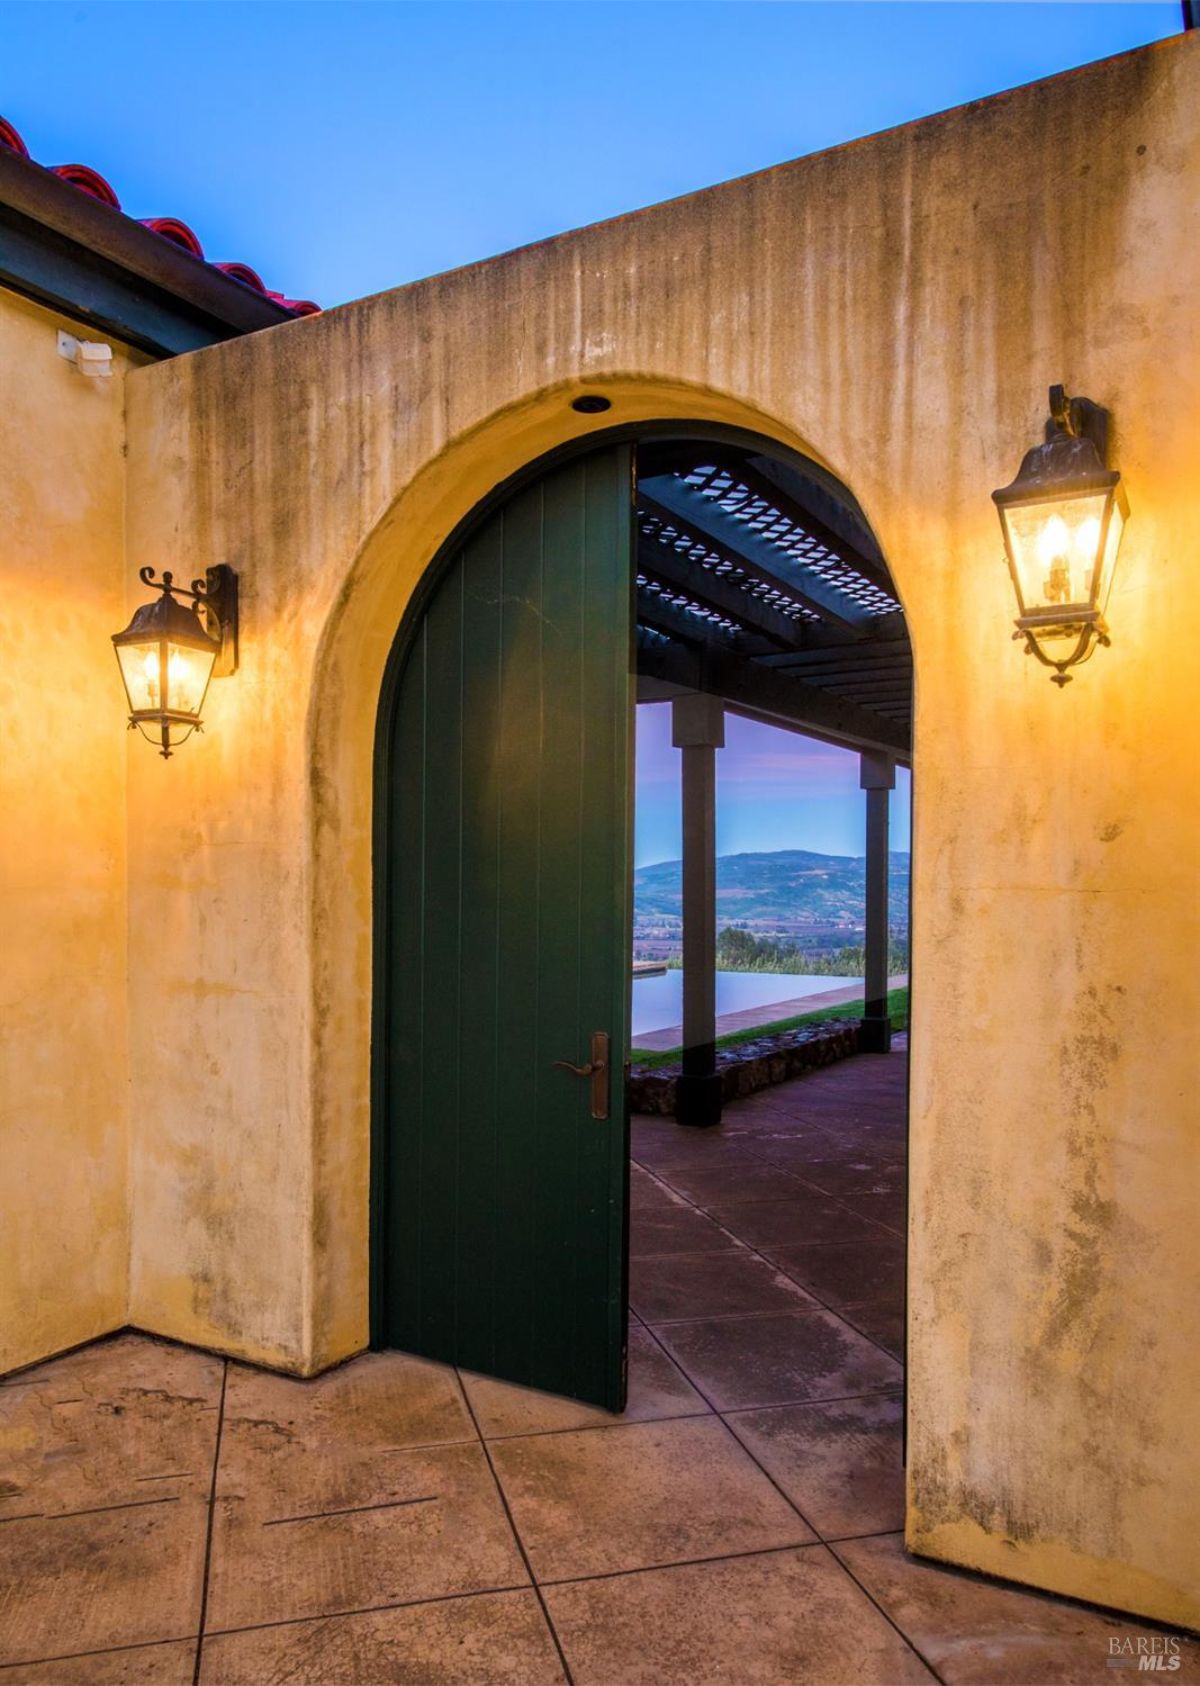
{"x": 1062, "y": 519}
{"x": 172, "y": 647}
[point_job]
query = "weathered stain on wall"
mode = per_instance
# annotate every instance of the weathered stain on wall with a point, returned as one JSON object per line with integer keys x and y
{"x": 897, "y": 308}
{"x": 64, "y": 1238}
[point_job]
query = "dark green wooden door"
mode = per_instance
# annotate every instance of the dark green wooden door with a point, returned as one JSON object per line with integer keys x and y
{"x": 503, "y": 890}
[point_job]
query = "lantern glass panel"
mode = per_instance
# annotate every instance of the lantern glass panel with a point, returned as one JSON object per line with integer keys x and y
{"x": 1112, "y": 543}
{"x": 140, "y": 672}
{"x": 1054, "y": 545}
{"x": 188, "y": 673}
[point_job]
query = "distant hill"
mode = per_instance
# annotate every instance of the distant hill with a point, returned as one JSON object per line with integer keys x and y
{"x": 788, "y": 892}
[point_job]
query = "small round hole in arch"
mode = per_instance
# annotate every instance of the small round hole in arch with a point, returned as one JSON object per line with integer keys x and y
{"x": 591, "y": 404}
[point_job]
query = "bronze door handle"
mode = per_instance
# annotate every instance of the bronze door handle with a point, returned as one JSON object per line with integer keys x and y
{"x": 596, "y": 1069}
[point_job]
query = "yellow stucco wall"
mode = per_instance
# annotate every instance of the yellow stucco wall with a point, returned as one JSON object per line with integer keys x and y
{"x": 64, "y": 1234}
{"x": 897, "y": 308}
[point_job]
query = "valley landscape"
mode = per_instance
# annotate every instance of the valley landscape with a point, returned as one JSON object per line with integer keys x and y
{"x": 791, "y": 900}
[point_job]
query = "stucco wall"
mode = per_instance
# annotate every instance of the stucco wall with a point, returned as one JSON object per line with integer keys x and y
{"x": 897, "y": 308}
{"x": 63, "y": 1060}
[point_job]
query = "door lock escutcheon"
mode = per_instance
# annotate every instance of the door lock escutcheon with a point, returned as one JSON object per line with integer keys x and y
{"x": 596, "y": 1069}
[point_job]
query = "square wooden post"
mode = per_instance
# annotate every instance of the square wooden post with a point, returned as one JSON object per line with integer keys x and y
{"x": 877, "y": 775}
{"x": 698, "y": 730}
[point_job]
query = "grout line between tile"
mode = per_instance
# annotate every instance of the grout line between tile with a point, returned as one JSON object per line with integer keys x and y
{"x": 729, "y": 1429}
{"x": 619, "y": 1421}
{"x": 819, "y": 1538}
{"x": 99, "y": 1651}
{"x": 350, "y": 1510}
{"x": 894, "y": 1392}
{"x": 819, "y": 1303}
{"x": 787, "y": 1499}
{"x": 96, "y": 1510}
{"x": 704, "y": 1253}
{"x": 208, "y": 1539}
{"x": 832, "y": 1540}
{"x": 685, "y": 1563}
{"x": 721, "y": 1415}
{"x": 867, "y": 1593}
{"x": 369, "y": 1609}
{"x": 520, "y": 1544}
{"x": 797, "y": 1310}
{"x": 428, "y": 1445}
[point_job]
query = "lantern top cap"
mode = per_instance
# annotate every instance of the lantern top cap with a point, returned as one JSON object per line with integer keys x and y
{"x": 1071, "y": 459}
{"x": 165, "y": 618}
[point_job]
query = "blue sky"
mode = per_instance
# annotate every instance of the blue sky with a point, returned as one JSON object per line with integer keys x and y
{"x": 343, "y": 148}
{"x": 775, "y": 790}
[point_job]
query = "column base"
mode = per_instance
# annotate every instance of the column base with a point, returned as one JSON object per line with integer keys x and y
{"x": 698, "y": 1101}
{"x": 875, "y": 1034}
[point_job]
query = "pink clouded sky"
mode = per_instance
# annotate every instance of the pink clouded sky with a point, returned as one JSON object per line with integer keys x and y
{"x": 775, "y": 790}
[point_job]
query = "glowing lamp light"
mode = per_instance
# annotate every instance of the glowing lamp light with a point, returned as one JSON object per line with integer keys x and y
{"x": 170, "y": 649}
{"x": 1062, "y": 519}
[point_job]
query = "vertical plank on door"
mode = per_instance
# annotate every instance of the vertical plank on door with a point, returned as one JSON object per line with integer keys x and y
{"x": 507, "y": 890}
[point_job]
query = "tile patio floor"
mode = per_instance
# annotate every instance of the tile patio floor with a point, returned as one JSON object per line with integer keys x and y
{"x": 394, "y": 1521}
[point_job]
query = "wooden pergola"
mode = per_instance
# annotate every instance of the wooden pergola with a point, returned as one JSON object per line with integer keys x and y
{"x": 761, "y": 591}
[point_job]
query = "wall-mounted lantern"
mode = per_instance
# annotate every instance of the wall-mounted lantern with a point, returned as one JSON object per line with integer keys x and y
{"x": 170, "y": 650}
{"x": 1062, "y": 519}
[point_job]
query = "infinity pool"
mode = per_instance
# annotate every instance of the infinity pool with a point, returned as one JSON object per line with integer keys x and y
{"x": 658, "y": 1001}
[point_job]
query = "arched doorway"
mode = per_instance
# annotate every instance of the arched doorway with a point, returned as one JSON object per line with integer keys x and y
{"x": 690, "y": 560}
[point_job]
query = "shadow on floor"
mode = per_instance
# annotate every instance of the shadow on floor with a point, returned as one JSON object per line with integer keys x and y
{"x": 397, "y": 1521}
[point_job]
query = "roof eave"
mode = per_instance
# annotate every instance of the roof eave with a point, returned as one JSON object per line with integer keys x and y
{"x": 103, "y": 268}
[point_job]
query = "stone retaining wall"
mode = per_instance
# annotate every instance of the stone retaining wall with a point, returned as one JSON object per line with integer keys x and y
{"x": 750, "y": 1066}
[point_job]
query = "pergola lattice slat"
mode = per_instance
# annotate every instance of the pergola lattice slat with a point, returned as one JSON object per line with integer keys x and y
{"x": 750, "y": 552}
{"x": 786, "y": 613}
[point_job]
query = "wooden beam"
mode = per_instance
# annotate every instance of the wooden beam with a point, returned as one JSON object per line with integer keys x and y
{"x": 661, "y": 615}
{"x": 814, "y": 500}
{"x": 761, "y": 694}
{"x": 775, "y": 481}
{"x": 886, "y": 632}
{"x": 667, "y": 497}
{"x": 857, "y": 659}
{"x": 705, "y": 586}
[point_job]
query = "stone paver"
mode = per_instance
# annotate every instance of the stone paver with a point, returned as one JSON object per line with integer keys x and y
{"x": 321, "y": 1535}
{"x": 977, "y": 1632}
{"x": 381, "y": 1523}
{"x": 778, "y": 1358}
{"x": 639, "y": 1495}
{"x": 769, "y": 1620}
{"x": 483, "y": 1641}
{"x": 838, "y": 1463}
{"x": 658, "y": 1388}
{"x": 667, "y": 1288}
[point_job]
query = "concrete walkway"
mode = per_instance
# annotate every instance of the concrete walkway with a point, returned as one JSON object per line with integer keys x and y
{"x": 751, "y": 1017}
{"x": 167, "y": 1515}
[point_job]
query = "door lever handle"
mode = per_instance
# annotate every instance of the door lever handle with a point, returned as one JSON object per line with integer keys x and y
{"x": 596, "y": 1069}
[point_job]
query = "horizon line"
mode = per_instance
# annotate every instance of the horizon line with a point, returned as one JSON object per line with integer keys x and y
{"x": 743, "y": 854}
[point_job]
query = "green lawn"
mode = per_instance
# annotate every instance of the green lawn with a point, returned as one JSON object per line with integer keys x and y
{"x": 649, "y": 1060}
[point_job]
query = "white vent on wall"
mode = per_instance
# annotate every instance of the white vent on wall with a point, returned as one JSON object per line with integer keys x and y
{"x": 91, "y": 357}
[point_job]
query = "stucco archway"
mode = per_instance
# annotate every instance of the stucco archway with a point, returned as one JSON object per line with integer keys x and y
{"x": 388, "y": 571}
